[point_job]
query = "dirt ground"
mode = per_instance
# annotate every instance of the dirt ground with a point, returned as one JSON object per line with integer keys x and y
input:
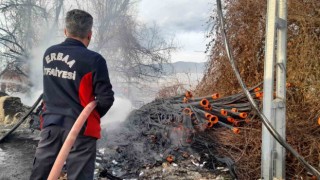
{"x": 185, "y": 170}
{"x": 16, "y": 158}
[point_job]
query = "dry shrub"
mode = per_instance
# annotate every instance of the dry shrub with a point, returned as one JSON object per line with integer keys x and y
{"x": 171, "y": 90}
{"x": 245, "y": 21}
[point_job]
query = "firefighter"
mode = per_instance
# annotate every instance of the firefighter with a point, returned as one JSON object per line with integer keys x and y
{"x": 73, "y": 76}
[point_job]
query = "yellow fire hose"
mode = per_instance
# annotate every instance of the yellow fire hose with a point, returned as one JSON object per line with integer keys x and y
{"x": 72, "y": 136}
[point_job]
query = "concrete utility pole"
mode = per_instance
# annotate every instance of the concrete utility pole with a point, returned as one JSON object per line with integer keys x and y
{"x": 273, "y": 154}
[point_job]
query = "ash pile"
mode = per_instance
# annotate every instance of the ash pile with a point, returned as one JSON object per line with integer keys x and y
{"x": 170, "y": 138}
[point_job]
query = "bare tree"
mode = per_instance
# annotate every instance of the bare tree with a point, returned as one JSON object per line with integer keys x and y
{"x": 20, "y": 25}
{"x": 24, "y": 26}
{"x": 134, "y": 51}
{"x": 17, "y": 34}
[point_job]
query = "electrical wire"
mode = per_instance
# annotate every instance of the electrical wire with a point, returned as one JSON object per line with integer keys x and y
{"x": 263, "y": 118}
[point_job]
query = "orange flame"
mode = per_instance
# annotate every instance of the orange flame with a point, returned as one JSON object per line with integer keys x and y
{"x": 257, "y": 89}
{"x": 259, "y": 94}
{"x": 170, "y": 158}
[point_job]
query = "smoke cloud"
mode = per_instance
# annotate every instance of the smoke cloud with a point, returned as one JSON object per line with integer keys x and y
{"x": 36, "y": 69}
{"x": 118, "y": 113}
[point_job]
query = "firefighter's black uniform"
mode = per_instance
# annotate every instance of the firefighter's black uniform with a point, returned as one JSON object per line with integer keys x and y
{"x": 73, "y": 76}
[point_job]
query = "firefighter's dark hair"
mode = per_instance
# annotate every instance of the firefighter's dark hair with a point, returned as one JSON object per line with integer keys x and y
{"x": 78, "y": 23}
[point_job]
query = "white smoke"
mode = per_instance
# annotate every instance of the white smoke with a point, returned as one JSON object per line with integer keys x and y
{"x": 36, "y": 72}
{"x": 118, "y": 113}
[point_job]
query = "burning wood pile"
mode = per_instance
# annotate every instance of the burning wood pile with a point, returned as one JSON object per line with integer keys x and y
{"x": 172, "y": 131}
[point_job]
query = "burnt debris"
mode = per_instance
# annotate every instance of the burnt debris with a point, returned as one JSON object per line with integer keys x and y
{"x": 173, "y": 130}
